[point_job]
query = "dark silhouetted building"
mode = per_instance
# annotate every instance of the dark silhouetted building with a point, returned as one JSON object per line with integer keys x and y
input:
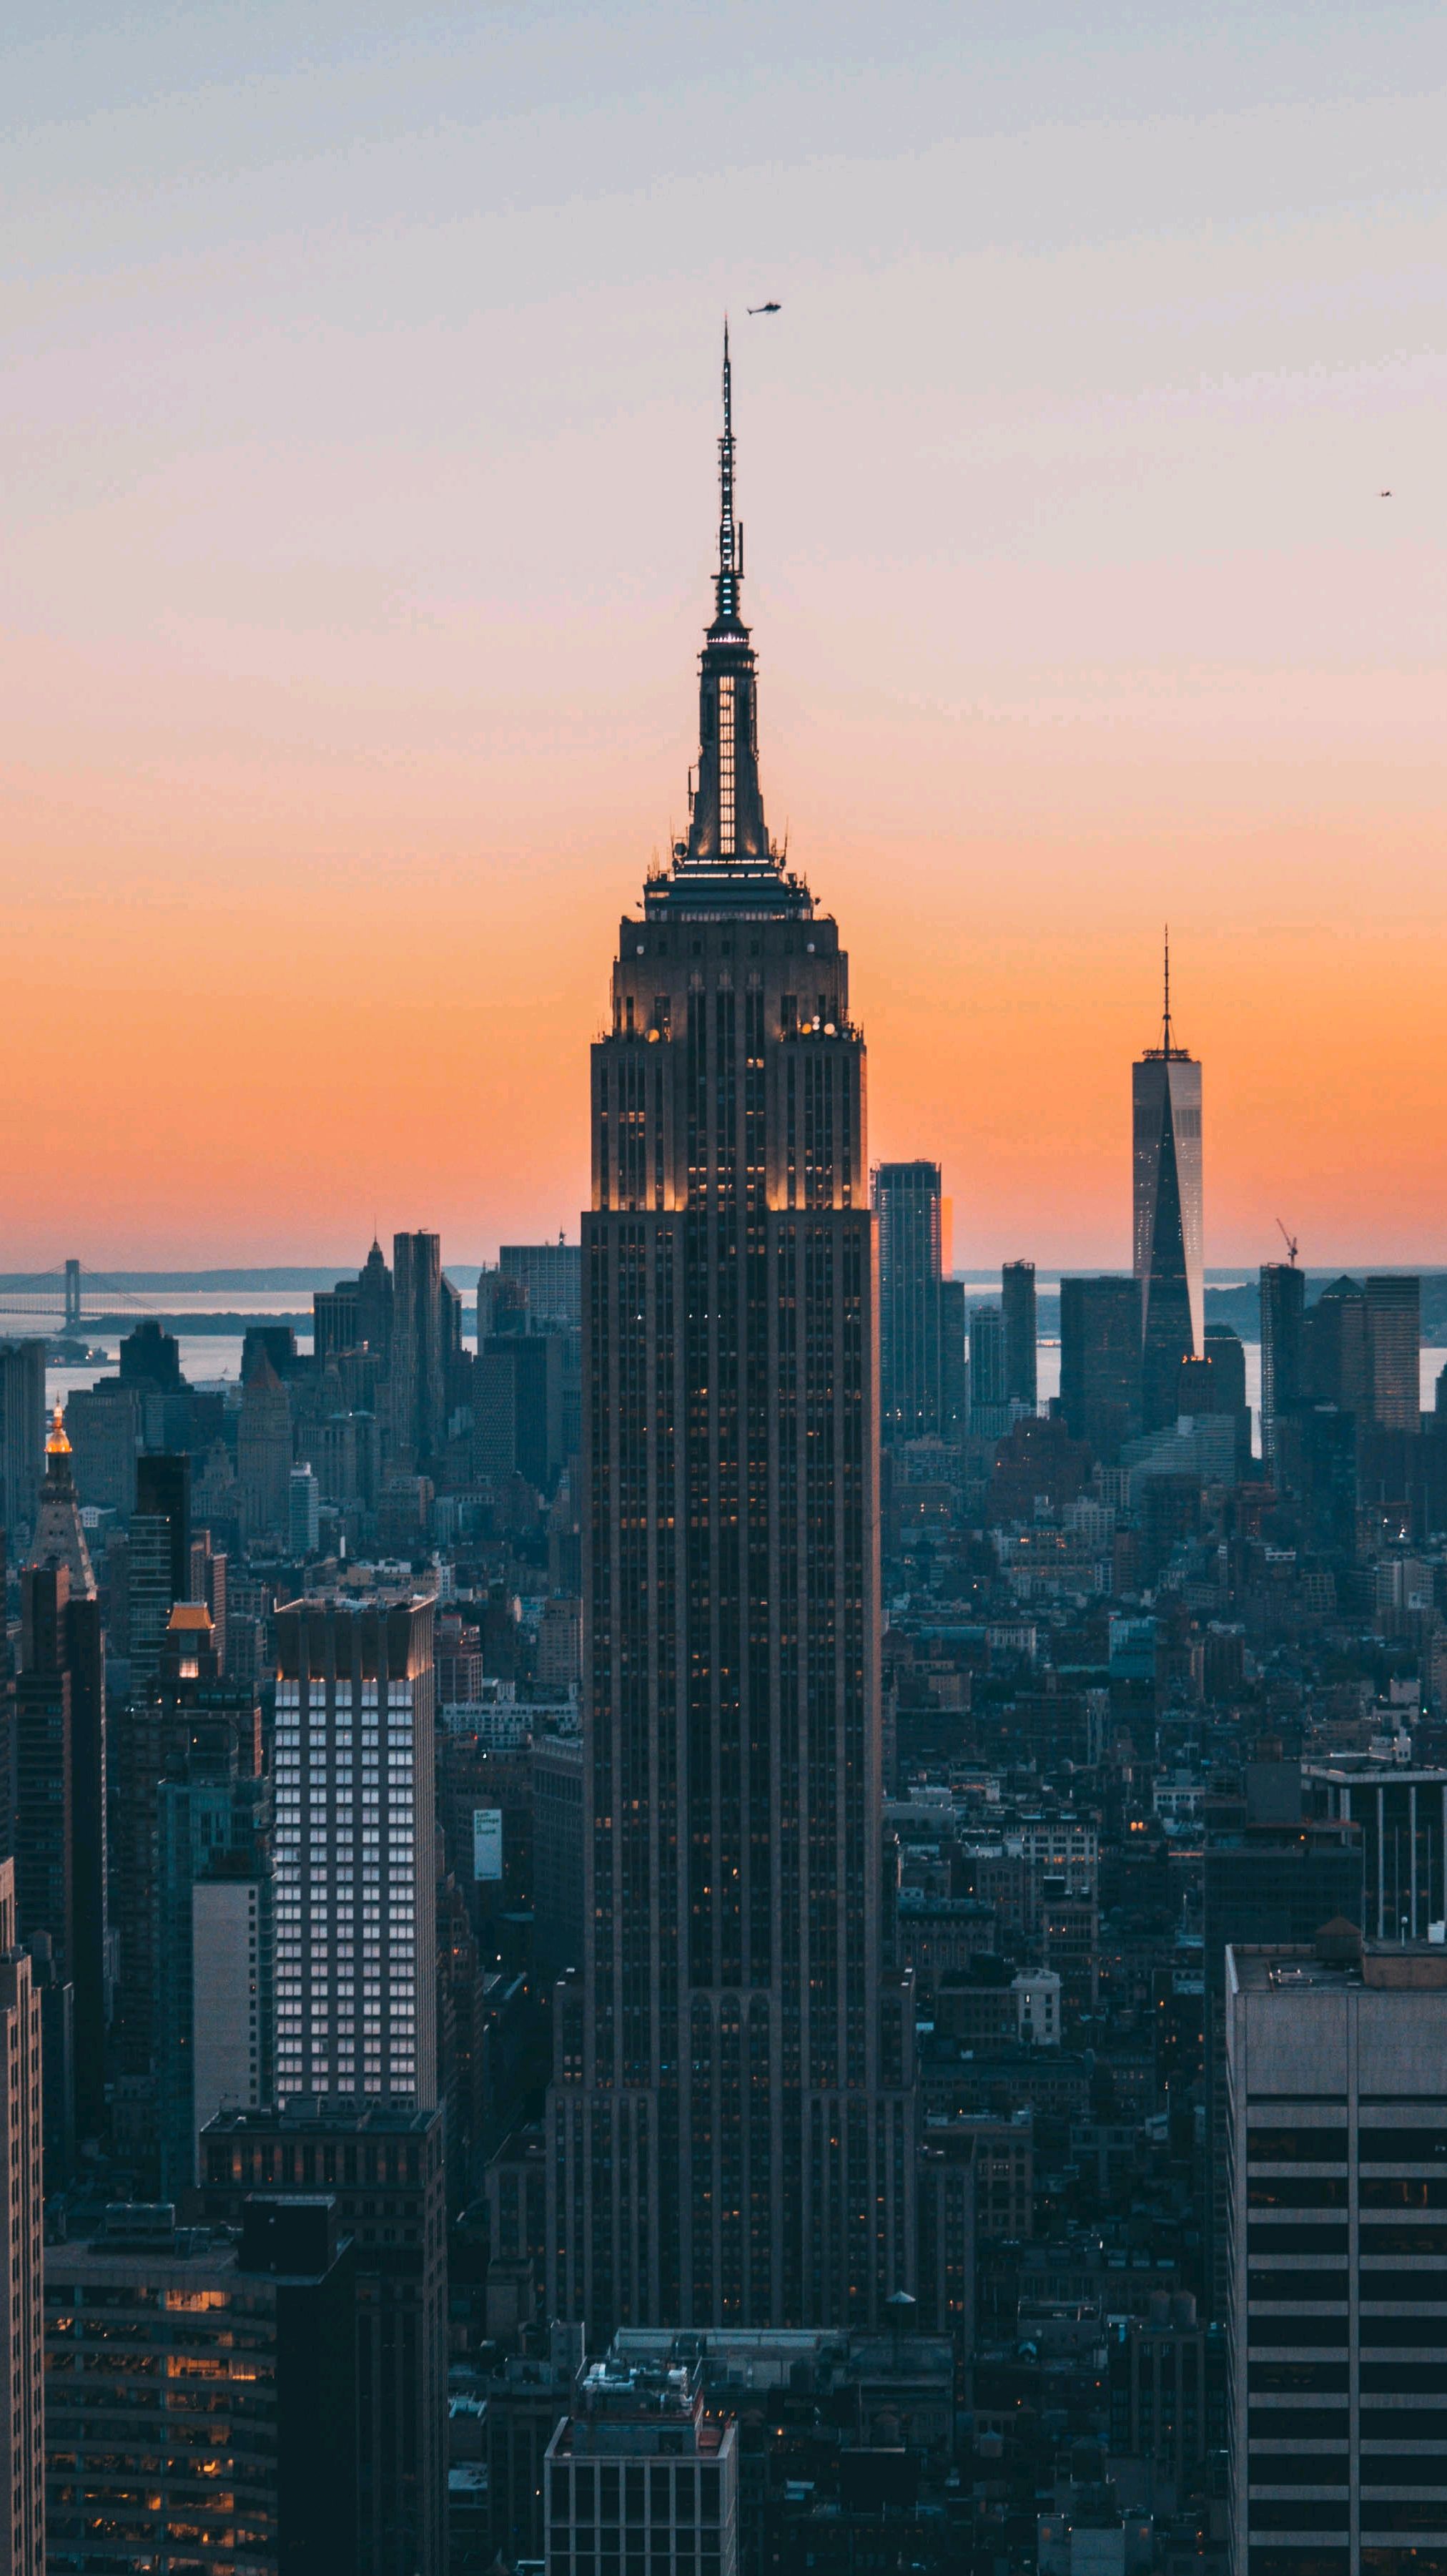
{"x": 989, "y": 1405}
{"x": 1336, "y": 1365}
{"x": 264, "y": 1452}
{"x": 1394, "y": 1343}
{"x": 60, "y": 1772}
{"x": 1283, "y": 1314}
{"x": 1166, "y": 1099}
{"x": 418, "y": 1358}
{"x": 910, "y": 1211}
{"x": 22, "y": 1434}
{"x": 732, "y": 2111}
{"x": 954, "y": 1362}
{"x": 1100, "y": 1361}
{"x": 383, "y": 2168}
{"x": 1017, "y": 1304}
{"x": 519, "y": 1429}
{"x": 150, "y": 1359}
{"x": 551, "y": 1275}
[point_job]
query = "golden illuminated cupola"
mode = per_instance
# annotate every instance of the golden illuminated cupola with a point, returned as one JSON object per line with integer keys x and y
{"x": 59, "y": 1534}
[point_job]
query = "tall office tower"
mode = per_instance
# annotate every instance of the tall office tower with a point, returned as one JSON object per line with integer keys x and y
{"x": 1166, "y": 1105}
{"x": 731, "y": 2118}
{"x": 1100, "y": 1361}
{"x": 1017, "y": 1304}
{"x": 1283, "y": 1312}
{"x": 22, "y": 2329}
{"x": 1336, "y": 1357}
{"x": 383, "y": 2167}
{"x": 22, "y": 1434}
{"x": 158, "y": 1561}
{"x": 60, "y": 1720}
{"x": 163, "y": 1491}
{"x": 1394, "y": 1342}
{"x": 910, "y": 1213}
{"x": 334, "y": 1319}
{"x": 519, "y": 1427}
{"x": 264, "y": 1452}
{"x": 1337, "y": 2059}
{"x": 201, "y": 2393}
{"x": 356, "y": 1993}
{"x": 954, "y": 1365}
{"x": 552, "y": 1274}
{"x": 418, "y": 1377}
{"x": 186, "y": 1702}
{"x": 103, "y": 1426}
{"x": 989, "y": 1409}
{"x": 303, "y": 1512}
{"x": 375, "y": 1298}
{"x": 215, "y": 2013}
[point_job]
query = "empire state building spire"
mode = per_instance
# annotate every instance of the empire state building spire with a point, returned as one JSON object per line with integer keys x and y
{"x": 727, "y": 857}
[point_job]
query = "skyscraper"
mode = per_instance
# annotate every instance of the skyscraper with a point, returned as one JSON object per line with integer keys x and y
{"x": 264, "y": 1452}
{"x": 22, "y": 1433}
{"x": 60, "y": 1720}
{"x": 1100, "y": 1360}
{"x": 1283, "y": 1310}
{"x": 1337, "y": 2060}
{"x": 1394, "y": 1340}
{"x": 1166, "y": 1104}
{"x": 910, "y": 1211}
{"x": 356, "y": 1990}
{"x": 1017, "y": 1304}
{"x": 417, "y": 1356}
{"x": 989, "y": 1406}
{"x": 731, "y": 2117}
{"x": 186, "y": 1707}
{"x": 22, "y": 2349}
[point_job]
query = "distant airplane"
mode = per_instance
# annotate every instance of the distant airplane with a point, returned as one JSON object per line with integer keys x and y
{"x": 765, "y": 308}
{"x": 1384, "y": 496}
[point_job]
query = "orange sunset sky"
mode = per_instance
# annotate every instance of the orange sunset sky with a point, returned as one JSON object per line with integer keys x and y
{"x": 357, "y": 442}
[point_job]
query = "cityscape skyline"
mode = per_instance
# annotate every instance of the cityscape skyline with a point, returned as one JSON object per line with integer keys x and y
{"x": 762, "y": 1883}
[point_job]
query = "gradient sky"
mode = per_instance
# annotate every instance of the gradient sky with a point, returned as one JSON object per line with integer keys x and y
{"x": 356, "y": 449}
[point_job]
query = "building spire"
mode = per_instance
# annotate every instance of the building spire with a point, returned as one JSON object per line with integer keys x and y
{"x": 1166, "y": 1048}
{"x": 730, "y": 537}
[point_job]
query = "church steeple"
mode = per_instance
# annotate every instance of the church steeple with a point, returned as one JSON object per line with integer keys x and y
{"x": 727, "y": 858}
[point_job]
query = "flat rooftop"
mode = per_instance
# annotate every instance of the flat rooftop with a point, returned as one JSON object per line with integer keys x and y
{"x": 1407, "y": 1967}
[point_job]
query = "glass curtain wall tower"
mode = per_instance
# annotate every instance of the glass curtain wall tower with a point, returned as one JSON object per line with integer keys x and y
{"x": 730, "y": 2124}
{"x": 1166, "y": 1102}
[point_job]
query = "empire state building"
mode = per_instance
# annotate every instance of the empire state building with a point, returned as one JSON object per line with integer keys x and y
{"x": 731, "y": 2120}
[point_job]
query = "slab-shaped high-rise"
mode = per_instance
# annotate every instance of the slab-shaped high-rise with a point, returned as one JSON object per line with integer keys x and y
{"x": 1166, "y": 1104}
{"x": 731, "y": 2118}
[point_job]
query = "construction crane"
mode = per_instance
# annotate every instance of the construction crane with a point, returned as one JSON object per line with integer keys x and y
{"x": 1290, "y": 1242}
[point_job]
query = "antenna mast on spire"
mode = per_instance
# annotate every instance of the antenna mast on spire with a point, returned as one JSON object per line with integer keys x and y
{"x": 1166, "y": 1046}
{"x": 730, "y": 551}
